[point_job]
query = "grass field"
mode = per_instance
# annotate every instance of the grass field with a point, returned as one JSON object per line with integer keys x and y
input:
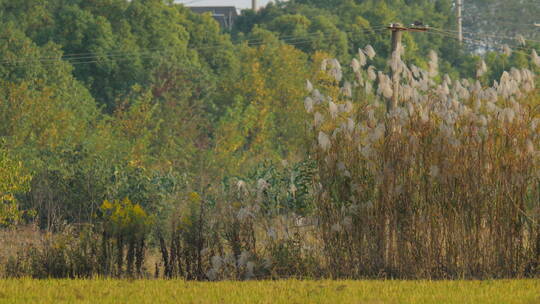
{"x": 288, "y": 291}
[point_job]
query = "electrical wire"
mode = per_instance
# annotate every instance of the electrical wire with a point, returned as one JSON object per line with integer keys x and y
{"x": 485, "y": 35}
{"x": 478, "y": 42}
{"x": 295, "y": 40}
{"x": 532, "y": 24}
{"x": 87, "y": 57}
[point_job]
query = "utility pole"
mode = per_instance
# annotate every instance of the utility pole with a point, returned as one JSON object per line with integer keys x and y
{"x": 396, "y": 55}
{"x": 397, "y": 33}
{"x": 254, "y": 5}
{"x": 459, "y": 7}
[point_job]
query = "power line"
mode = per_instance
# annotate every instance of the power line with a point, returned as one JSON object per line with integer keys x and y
{"x": 74, "y": 59}
{"x": 478, "y": 42}
{"x": 512, "y": 23}
{"x": 86, "y": 57}
{"x": 486, "y": 35}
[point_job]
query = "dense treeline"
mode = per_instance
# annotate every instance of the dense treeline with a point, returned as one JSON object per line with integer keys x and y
{"x": 153, "y": 128}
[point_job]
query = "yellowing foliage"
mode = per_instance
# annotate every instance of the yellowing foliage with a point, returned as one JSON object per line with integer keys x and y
{"x": 123, "y": 216}
{"x": 267, "y": 119}
{"x": 13, "y": 179}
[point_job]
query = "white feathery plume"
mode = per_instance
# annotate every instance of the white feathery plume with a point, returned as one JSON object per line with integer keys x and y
{"x": 410, "y": 109}
{"x": 505, "y": 77}
{"x": 507, "y": 50}
{"x": 293, "y": 189}
{"x": 348, "y": 222}
{"x": 309, "y": 86}
{"x": 415, "y": 71}
{"x": 350, "y": 125}
{"x": 341, "y": 166}
{"x": 433, "y": 63}
{"x": 462, "y": 91}
{"x": 205, "y": 251}
{"x": 369, "y": 51}
{"x": 217, "y": 262}
{"x": 308, "y": 104}
{"x": 454, "y": 103}
{"x": 521, "y": 39}
{"x": 318, "y": 119}
{"x": 271, "y": 233}
{"x": 249, "y": 270}
{"x": 482, "y": 120}
{"x": 454, "y": 142}
{"x": 324, "y": 65}
{"x": 317, "y": 96}
{"x": 243, "y": 258}
{"x": 477, "y": 104}
{"x": 535, "y": 123}
{"x": 407, "y": 92}
{"x": 241, "y": 186}
{"x": 347, "y": 89}
{"x": 424, "y": 115}
{"x": 386, "y": 89}
{"x": 491, "y": 95}
{"x": 447, "y": 79}
{"x": 516, "y": 74}
{"x": 359, "y": 78}
{"x": 481, "y": 69}
{"x": 337, "y": 131}
{"x": 332, "y": 109}
{"x": 508, "y": 115}
{"x": 335, "y": 63}
{"x": 492, "y": 108}
{"x": 361, "y": 58}
{"x": 371, "y": 73}
{"x": 336, "y": 228}
{"x": 243, "y": 214}
{"x": 347, "y": 107}
{"x": 324, "y": 141}
{"x": 434, "y": 171}
{"x": 477, "y": 88}
{"x": 211, "y": 274}
{"x": 372, "y": 121}
{"x": 444, "y": 90}
{"x": 377, "y": 133}
{"x": 406, "y": 73}
{"x": 368, "y": 87}
{"x": 495, "y": 84}
{"x": 336, "y": 73}
{"x": 383, "y": 79}
{"x": 529, "y": 146}
{"x": 535, "y": 58}
{"x": 366, "y": 151}
{"x": 355, "y": 64}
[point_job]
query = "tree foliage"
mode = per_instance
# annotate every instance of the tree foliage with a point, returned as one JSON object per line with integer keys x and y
{"x": 106, "y": 99}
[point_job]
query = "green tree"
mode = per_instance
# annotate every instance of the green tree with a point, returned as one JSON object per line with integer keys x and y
{"x": 14, "y": 179}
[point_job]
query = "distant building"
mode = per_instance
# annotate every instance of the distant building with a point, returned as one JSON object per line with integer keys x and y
{"x": 225, "y": 15}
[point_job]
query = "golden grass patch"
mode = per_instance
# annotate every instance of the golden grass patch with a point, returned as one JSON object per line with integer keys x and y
{"x": 286, "y": 291}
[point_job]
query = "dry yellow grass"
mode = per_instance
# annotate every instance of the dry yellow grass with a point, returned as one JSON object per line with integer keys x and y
{"x": 286, "y": 291}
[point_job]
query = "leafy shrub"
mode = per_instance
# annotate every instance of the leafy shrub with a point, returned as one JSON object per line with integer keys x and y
{"x": 125, "y": 225}
{"x": 68, "y": 254}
